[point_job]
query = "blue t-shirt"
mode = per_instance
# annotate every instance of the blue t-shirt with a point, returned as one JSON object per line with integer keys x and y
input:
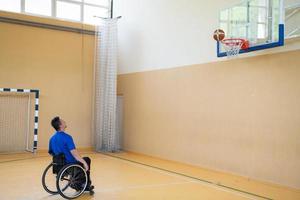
{"x": 62, "y": 142}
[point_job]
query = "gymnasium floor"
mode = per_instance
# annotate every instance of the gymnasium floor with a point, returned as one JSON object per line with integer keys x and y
{"x": 133, "y": 176}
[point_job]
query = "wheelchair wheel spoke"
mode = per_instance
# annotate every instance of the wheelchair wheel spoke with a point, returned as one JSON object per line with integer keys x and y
{"x": 65, "y": 179}
{"x": 78, "y": 178}
{"x": 66, "y": 186}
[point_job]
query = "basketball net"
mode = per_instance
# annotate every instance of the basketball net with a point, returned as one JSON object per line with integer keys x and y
{"x": 233, "y": 46}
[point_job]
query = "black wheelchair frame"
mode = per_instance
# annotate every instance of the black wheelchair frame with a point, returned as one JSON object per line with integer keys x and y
{"x": 71, "y": 179}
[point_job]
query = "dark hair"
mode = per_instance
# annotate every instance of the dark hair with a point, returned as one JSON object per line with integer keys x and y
{"x": 55, "y": 123}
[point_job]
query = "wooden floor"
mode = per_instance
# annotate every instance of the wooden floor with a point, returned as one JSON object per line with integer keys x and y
{"x": 131, "y": 176}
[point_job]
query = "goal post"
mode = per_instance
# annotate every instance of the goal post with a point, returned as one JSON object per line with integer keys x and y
{"x": 19, "y": 117}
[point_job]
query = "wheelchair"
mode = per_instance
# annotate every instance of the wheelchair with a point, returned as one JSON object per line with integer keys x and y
{"x": 68, "y": 180}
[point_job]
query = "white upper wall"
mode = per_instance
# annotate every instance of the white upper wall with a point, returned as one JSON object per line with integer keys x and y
{"x": 157, "y": 34}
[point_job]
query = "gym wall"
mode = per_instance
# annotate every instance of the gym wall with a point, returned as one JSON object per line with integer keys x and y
{"x": 240, "y": 116}
{"x": 59, "y": 64}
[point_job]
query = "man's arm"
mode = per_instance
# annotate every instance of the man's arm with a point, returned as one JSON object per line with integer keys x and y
{"x": 50, "y": 149}
{"x": 74, "y": 152}
{"x": 76, "y": 155}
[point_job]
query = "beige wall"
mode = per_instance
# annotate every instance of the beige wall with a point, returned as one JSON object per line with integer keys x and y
{"x": 240, "y": 116}
{"x": 58, "y": 63}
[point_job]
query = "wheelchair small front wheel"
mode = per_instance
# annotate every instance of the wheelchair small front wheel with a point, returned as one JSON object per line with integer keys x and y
{"x": 49, "y": 180}
{"x": 71, "y": 181}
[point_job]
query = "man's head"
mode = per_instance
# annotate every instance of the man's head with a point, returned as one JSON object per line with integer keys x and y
{"x": 58, "y": 124}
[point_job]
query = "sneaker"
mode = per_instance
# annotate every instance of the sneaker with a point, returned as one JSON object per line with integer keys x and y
{"x": 89, "y": 188}
{"x": 92, "y": 192}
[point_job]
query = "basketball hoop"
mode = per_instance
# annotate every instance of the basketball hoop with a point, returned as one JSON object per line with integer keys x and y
{"x": 233, "y": 46}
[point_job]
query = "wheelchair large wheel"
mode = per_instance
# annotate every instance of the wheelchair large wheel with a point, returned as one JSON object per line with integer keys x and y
{"x": 49, "y": 180}
{"x": 71, "y": 181}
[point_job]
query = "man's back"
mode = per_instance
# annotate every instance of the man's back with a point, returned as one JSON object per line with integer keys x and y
{"x": 61, "y": 142}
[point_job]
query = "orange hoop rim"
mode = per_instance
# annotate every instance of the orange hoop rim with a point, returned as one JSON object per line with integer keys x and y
{"x": 236, "y": 42}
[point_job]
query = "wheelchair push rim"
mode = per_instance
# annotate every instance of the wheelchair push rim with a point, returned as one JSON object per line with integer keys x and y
{"x": 53, "y": 189}
{"x": 71, "y": 181}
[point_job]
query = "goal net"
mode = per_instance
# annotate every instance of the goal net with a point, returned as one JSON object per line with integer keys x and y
{"x": 16, "y": 122}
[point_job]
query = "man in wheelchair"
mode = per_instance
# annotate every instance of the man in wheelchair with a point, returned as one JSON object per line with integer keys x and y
{"x": 62, "y": 148}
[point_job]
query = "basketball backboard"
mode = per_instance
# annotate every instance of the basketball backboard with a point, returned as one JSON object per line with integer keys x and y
{"x": 261, "y": 22}
{"x": 292, "y": 19}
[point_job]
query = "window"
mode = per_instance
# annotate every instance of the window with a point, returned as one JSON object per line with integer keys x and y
{"x": 38, "y": 7}
{"x": 10, "y": 5}
{"x": 74, "y": 10}
{"x": 98, "y": 2}
{"x": 66, "y": 10}
{"x": 90, "y": 12}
